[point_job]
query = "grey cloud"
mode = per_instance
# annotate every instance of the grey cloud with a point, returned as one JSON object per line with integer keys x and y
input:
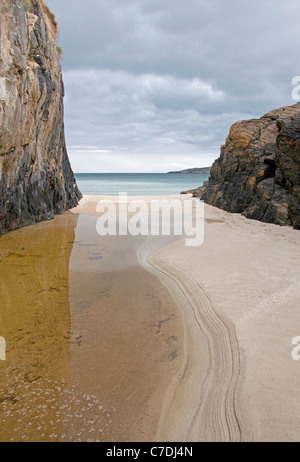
{"x": 140, "y": 72}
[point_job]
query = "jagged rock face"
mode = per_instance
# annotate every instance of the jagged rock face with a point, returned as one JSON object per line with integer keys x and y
{"x": 258, "y": 171}
{"x": 36, "y": 180}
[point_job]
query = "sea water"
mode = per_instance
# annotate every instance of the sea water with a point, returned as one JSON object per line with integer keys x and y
{"x": 138, "y": 184}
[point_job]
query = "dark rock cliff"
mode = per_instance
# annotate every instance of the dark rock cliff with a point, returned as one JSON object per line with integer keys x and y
{"x": 258, "y": 171}
{"x": 36, "y": 180}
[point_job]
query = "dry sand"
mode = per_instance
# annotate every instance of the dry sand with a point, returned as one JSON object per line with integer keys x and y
{"x": 239, "y": 298}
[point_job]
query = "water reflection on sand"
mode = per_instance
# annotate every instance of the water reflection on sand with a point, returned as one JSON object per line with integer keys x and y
{"x": 91, "y": 337}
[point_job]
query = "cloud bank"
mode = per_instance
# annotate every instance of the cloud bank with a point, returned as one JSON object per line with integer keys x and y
{"x": 154, "y": 85}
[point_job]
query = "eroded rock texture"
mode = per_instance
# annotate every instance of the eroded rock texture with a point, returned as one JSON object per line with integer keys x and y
{"x": 36, "y": 180}
{"x": 258, "y": 171}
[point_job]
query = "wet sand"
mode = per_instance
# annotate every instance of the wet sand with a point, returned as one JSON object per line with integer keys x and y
{"x": 199, "y": 402}
{"x": 239, "y": 297}
{"x": 92, "y": 338}
{"x": 144, "y": 339}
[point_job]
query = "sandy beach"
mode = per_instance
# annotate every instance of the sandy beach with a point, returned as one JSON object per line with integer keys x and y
{"x": 238, "y": 296}
{"x": 149, "y": 224}
{"x": 123, "y": 338}
{"x": 92, "y": 338}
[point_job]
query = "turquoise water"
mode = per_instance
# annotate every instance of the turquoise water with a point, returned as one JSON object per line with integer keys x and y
{"x": 137, "y": 184}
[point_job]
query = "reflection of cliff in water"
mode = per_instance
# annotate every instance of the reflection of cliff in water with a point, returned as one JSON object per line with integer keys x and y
{"x": 92, "y": 340}
{"x": 35, "y": 322}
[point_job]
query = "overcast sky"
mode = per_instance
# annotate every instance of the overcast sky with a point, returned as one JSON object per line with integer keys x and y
{"x": 154, "y": 85}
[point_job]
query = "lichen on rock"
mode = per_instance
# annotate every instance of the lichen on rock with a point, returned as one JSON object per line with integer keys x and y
{"x": 36, "y": 179}
{"x": 258, "y": 171}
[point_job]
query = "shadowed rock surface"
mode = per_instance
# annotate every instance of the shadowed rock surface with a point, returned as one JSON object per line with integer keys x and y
{"x": 36, "y": 180}
{"x": 258, "y": 171}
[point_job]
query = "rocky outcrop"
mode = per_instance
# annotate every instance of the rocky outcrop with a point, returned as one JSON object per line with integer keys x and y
{"x": 258, "y": 171}
{"x": 36, "y": 180}
{"x": 198, "y": 192}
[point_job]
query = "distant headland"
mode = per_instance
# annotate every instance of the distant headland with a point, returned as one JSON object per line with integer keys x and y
{"x": 203, "y": 170}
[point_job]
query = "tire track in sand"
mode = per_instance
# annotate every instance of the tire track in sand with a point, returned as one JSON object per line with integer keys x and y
{"x": 213, "y": 416}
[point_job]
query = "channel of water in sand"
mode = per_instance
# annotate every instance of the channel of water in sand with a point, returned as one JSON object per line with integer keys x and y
{"x": 93, "y": 340}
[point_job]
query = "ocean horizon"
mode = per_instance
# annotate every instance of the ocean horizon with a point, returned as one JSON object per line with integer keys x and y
{"x": 138, "y": 184}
